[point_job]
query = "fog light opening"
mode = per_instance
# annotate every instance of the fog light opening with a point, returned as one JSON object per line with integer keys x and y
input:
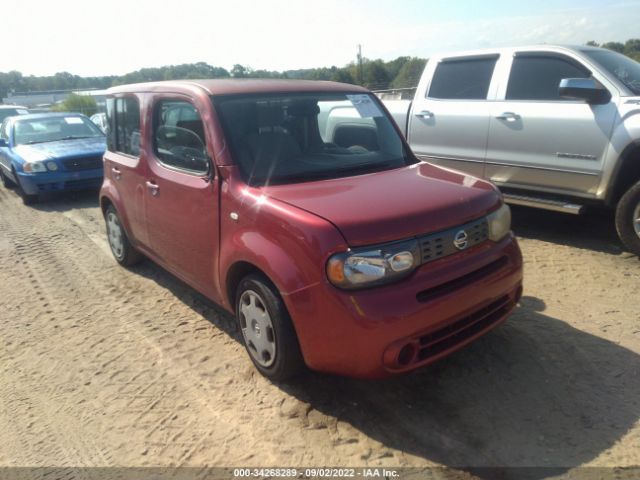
{"x": 406, "y": 355}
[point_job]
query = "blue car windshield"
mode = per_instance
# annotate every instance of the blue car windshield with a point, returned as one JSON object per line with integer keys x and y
{"x": 53, "y": 129}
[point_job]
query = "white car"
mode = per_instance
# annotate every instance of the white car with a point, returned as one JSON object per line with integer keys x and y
{"x": 11, "y": 110}
{"x": 100, "y": 119}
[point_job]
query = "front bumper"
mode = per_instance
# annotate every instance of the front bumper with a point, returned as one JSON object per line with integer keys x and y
{"x": 35, "y": 183}
{"x": 443, "y": 306}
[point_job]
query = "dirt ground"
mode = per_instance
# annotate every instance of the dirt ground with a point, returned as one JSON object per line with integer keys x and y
{"x": 103, "y": 366}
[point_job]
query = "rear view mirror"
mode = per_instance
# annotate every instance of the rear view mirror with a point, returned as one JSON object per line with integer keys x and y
{"x": 3, "y": 143}
{"x": 583, "y": 89}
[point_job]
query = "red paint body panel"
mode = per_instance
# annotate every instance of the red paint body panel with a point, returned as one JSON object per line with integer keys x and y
{"x": 289, "y": 232}
{"x": 393, "y": 204}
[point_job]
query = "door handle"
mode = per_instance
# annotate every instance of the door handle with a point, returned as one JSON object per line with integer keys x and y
{"x": 424, "y": 114}
{"x": 153, "y": 188}
{"x": 508, "y": 116}
{"x": 116, "y": 173}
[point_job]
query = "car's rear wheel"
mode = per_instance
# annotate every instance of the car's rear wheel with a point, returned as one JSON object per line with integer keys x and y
{"x": 267, "y": 330}
{"x": 27, "y": 198}
{"x": 628, "y": 219}
{"x": 121, "y": 248}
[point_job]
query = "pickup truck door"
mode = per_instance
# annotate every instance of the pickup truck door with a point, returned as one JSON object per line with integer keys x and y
{"x": 539, "y": 141}
{"x": 449, "y": 118}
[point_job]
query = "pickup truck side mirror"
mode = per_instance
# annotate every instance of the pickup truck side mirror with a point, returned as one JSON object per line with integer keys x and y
{"x": 583, "y": 89}
{"x": 3, "y": 143}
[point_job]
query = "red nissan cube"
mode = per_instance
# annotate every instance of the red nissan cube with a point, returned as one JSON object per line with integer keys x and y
{"x": 299, "y": 207}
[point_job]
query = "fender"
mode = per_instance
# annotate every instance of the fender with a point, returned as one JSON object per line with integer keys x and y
{"x": 618, "y": 167}
{"x": 289, "y": 245}
{"x": 109, "y": 194}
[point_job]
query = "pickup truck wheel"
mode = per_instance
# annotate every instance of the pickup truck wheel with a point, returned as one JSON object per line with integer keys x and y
{"x": 628, "y": 219}
{"x": 267, "y": 330}
{"x": 122, "y": 250}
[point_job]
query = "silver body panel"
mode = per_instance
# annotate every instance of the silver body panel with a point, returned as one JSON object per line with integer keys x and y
{"x": 562, "y": 147}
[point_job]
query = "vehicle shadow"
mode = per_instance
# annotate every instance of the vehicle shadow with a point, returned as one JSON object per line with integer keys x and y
{"x": 594, "y": 230}
{"x": 64, "y": 201}
{"x": 535, "y": 392}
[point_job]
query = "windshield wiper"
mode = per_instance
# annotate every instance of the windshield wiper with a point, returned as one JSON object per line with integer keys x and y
{"x": 77, "y": 137}
{"x": 327, "y": 174}
{"x": 32, "y": 142}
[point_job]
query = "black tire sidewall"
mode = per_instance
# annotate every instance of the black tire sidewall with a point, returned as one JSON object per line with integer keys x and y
{"x": 130, "y": 255}
{"x": 288, "y": 359}
{"x": 624, "y": 219}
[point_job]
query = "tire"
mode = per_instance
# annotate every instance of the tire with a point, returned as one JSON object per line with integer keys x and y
{"x": 121, "y": 248}
{"x": 267, "y": 331}
{"x": 628, "y": 219}
{"x": 27, "y": 199}
{"x": 6, "y": 181}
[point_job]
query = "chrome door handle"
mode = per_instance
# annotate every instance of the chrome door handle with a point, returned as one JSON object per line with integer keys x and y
{"x": 116, "y": 173}
{"x": 153, "y": 188}
{"x": 424, "y": 114}
{"x": 508, "y": 116}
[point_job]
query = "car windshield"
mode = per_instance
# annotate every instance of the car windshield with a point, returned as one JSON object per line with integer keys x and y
{"x": 623, "y": 68}
{"x": 51, "y": 129}
{"x": 10, "y": 112}
{"x": 287, "y": 138}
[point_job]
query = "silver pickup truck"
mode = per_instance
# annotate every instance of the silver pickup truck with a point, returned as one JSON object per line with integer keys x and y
{"x": 554, "y": 127}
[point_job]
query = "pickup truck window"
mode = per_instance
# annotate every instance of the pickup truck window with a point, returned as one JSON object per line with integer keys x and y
{"x": 537, "y": 77}
{"x": 623, "y": 68}
{"x": 464, "y": 79}
{"x": 289, "y": 138}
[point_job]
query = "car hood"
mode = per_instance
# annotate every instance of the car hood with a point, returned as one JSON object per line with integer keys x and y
{"x": 393, "y": 204}
{"x": 61, "y": 149}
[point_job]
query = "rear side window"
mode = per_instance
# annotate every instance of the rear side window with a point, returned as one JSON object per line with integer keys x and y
{"x": 178, "y": 135}
{"x": 123, "y": 118}
{"x": 537, "y": 77}
{"x": 465, "y": 79}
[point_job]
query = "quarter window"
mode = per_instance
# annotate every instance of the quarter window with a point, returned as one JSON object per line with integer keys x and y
{"x": 179, "y": 139}
{"x": 537, "y": 77}
{"x": 464, "y": 79}
{"x": 123, "y": 118}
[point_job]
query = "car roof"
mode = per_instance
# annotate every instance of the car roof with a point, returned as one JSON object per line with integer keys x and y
{"x": 519, "y": 48}
{"x": 233, "y": 86}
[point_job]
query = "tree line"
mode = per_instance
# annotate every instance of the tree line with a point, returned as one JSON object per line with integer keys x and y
{"x": 403, "y": 72}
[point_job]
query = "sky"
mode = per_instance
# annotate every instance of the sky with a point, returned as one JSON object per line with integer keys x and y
{"x": 113, "y": 37}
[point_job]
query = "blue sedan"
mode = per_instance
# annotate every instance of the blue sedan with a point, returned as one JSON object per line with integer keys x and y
{"x": 50, "y": 152}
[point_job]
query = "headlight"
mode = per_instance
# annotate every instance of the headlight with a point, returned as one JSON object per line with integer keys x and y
{"x": 367, "y": 267}
{"x": 499, "y": 223}
{"x": 52, "y": 166}
{"x": 34, "y": 167}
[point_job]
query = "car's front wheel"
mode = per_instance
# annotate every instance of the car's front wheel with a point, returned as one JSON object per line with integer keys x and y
{"x": 121, "y": 248}
{"x": 27, "y": 198}
{"x": 6, "y": 181}
{"x": 628, "y": 219}
{"x": 267, "y": 330}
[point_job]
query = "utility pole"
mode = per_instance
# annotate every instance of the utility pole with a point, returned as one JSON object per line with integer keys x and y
{"x": 360, "y": 75}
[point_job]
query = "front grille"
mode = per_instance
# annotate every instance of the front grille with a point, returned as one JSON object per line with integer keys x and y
{"x": 463, "y": 281}
{"x": 82, "y": 184}
{"x": 449, "y": 336}
{"x": 441, "y": 244}
{"x": 83, "y": 163}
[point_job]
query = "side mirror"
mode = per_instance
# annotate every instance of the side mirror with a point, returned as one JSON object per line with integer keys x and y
{"x": 583, "y": 89}
{"x": 3, "y": 143}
